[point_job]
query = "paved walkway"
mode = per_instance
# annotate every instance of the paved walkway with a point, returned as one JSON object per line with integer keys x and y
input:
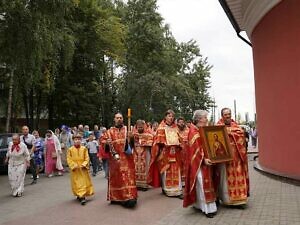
{"x": 271, "y": 202}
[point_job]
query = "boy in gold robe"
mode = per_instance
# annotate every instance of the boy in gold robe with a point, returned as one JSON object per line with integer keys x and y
{"x": 78, "y": 161}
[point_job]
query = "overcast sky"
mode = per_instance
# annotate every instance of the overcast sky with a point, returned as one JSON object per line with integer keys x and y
{"x": 232, "y": 73}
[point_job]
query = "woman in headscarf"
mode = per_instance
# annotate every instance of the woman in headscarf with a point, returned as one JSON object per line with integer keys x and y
{"x": 18, "y": 160}
{"x": 52, "y": 152}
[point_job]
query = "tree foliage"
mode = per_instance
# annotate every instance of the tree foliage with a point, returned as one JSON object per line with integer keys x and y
{"x": 79, "y": 61}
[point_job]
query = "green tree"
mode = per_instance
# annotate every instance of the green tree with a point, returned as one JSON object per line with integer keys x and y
{"x": 79, "y": 61}
{"x": 86, "y": 90}
{"x": 32, "y": 40}
{"x": 195, "y": 72}
{"x": 160, "y": 73}
{"x": 145, "y": 69}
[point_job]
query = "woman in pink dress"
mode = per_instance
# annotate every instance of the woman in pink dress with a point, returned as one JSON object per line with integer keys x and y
{"x": 52, "y": 151}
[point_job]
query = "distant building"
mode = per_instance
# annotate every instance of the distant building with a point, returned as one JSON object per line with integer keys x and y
{"x": 273, "y": 28}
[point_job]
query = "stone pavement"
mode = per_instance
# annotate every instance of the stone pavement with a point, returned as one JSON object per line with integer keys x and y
{"x": 271, "y": 202}
{"x": 50, "y": 202}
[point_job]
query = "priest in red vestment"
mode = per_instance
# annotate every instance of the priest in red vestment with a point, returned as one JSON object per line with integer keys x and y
{"x": 166, "y": 157}
{"x": 121, "y": 181}
{"x": 233, "y": 176}
{"x": 143, "y": 140}
{"x": 199, "y": 187}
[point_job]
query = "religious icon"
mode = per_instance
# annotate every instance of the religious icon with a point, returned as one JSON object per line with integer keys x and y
{"x": 216, "y": 143}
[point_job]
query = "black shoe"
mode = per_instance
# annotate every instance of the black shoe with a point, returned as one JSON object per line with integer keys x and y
{"x": 130, "y": 203}
{"x": 94, "y": 174}
{"x": 115, "y": 202}
{"x": 83, "y": 201}
{"x": 244, "y": 206}
{"x": 210, "y": 215}
{"x": 33, "y": 182}
{"x": 142, "y": 189}
{"x": 180, "y": 196}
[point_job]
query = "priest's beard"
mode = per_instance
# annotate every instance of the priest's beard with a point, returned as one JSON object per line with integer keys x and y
{"x": 119, "y": 125}
{"x": 227, "y": 122}
{"x": 181, "y": 127}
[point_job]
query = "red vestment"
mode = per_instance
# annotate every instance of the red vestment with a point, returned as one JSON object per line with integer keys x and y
{"x": 195, "y": 163}
{"x": 121, "y": 182}
{"x": 184, "y": 144}
{"x": 102, "y": 154}
{"x": 142, "y": 153}
{"x": 237, "y": 169}
{"x": 166, "y": 158}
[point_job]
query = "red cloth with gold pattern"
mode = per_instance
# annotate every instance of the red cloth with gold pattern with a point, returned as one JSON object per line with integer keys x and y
{"x": 184, "y": 145}
{"x": 121, "y": 182}
{"x": 195, "y": 162}
{"x": 165, "y": 156}
{"x": 142, "y": 153}
{"x": 102, "y": 154}
{"x": 237, "y": 169}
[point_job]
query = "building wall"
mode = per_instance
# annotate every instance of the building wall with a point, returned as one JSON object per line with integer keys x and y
{"x": 276, "y": 53}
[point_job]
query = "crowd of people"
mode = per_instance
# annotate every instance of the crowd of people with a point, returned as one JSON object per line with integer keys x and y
{"x": 169, "y": 154}
{"x": 49, "y": 154}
